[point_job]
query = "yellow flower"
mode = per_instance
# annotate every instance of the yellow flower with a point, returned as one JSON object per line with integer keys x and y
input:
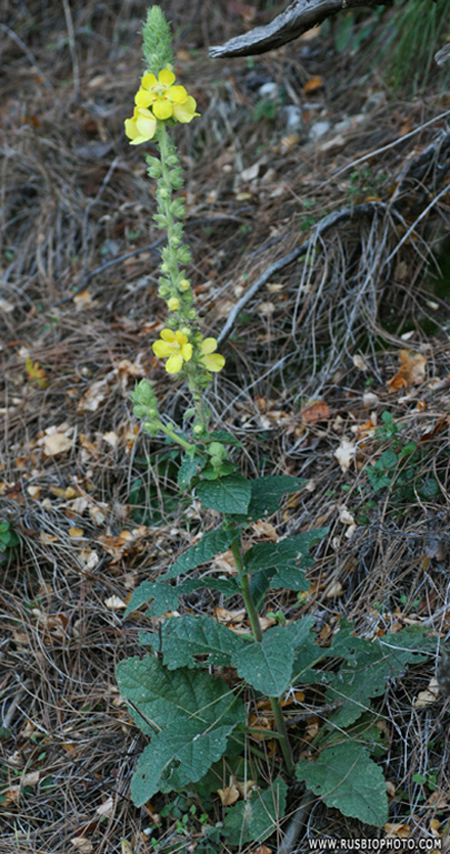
{"x": 164, "y": 99}
{"x": 212, "y": 361}
{"x": 173, "y": 304}
{"x": 141, "y": 127}
{"x": 174, "y": 347}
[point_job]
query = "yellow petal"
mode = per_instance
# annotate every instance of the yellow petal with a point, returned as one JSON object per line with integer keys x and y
{"x": 146, "y": 126}
{"x": 208, "y": 345}
{"x": 181, "y": 337}
{"x": 166, "y": 77}
{"x": 185, "y": 111}
{"x": 131, "y": 129}
{"x": 176, "y": 93}
{"x": 162, "y": 350}
{"x": 143, "y": 98}
{"x": 148, "y": 81}
{"x": 168, "y": 335}
{"x": 174, "y": 363}
{"x": 214, "y": 363}
{"x": 162, "y": 109}
{"x": 186, "y": 352}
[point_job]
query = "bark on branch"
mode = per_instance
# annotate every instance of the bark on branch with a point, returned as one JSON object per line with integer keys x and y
{"x": 300, "y": 15}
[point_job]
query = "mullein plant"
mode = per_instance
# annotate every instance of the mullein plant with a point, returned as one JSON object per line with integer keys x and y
{"x": 160, "y": 103}
{"x": 181, "y": 693}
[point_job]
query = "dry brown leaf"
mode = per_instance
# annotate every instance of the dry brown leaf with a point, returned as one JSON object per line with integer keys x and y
{"x": 76, "y": 533}
{"x": 225, "y": 563}
{"x": 399, "y": 830}
{"x": 245, "y": 788}
{"x": 261, "y": 849}
{"x": 265, "y": 529}
{"x": 56, "y": 443}
{"x": 428, "y": 695}
{"x": 334, "y": 591}
{"x": 82, "y": 300}
{"x": 314, "y": 412}
{"x": 411, "y": 371}
{"x": 438, "y": 799}
{"x": 229, "y": 795}
{"x": 313, "y": 84}
{"x": 115, "y": 603}
{"x": 124, "y": 542}
{"x": 345, "y": 454}
{"x": 360, "y": 362}
{"x": 94, "y": 396}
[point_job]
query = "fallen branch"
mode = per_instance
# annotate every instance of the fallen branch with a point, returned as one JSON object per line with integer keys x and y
{"x": 300, "y": 16}
{"x": 332, "y": 219}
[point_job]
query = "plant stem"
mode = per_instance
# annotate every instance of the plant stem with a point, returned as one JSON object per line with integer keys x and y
{"x": 257, "y": 634}
{"x": 246, "y": 593}
{"x": 172, "y": 435}
{"x": 282, "y": 731}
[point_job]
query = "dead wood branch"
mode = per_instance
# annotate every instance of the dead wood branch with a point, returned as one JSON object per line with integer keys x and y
{"x": 300, "y": 16}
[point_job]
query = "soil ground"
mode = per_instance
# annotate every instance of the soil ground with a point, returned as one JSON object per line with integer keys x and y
{"x": 325, "y": 157}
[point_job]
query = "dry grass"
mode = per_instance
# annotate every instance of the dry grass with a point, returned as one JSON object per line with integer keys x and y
{"x": 79, "y": 267}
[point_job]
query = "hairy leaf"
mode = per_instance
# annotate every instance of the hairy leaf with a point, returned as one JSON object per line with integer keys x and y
{"x": 267, "y": 492}
{"x": 229, "y": 495}
{"x": 188, "y": 636}
{"x": 267, "y": 665}
{"x": 211, "y": 544}
{"x": 253, "y": 820}
{"x": 383, "y": 658}
{"x": 183, "y": 711}
{"x": 176, "y": 756}
{"x": 345, "y": 776}
{"x": 284, "y": 554}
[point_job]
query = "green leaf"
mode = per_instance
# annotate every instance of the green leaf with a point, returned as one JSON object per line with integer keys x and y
{"x": 210, "y": 545}
{"x": 383, "y": 658}
{"x": 267, "y": 665}
{"x": 164, "y": 595}
{"x": 283, "y": 556}
{"x": 177, "y": 756}
{"x": 187, "y": 713}
{"x": 345, "y": 776}
{"x": 187, "y": 636}
{"x": 267, "y": 492}
{"x": 188, "y": 469}
{"x": 225, "y": 438}
{"x": 290, "y": 578}
{"x": 228, "y": 495}
{"x": 254, "y": 819}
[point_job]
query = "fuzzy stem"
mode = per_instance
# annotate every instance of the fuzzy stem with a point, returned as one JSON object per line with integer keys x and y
{"x": 257, "y": 634}
{"x": 282, "y": 731}
{"x": 172, "y": 435}
{"x": 174, "y": 275}
{"x": 246, "y": 592}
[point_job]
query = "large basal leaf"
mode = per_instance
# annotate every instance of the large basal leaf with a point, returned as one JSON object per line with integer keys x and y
{"x": 228, "y": 495}
{"x": 345, "y": 776}
{"x": 188, "y": 636}
{"x": 267, "y": 665}
{"x": 255, "y": 819}
{"x": 177, "y": 756}
{"x": 211, "y": 544}
{"x": 267, "y": 492}
{"x": 383, "y": 658}
{"x": 185, "y": 703}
